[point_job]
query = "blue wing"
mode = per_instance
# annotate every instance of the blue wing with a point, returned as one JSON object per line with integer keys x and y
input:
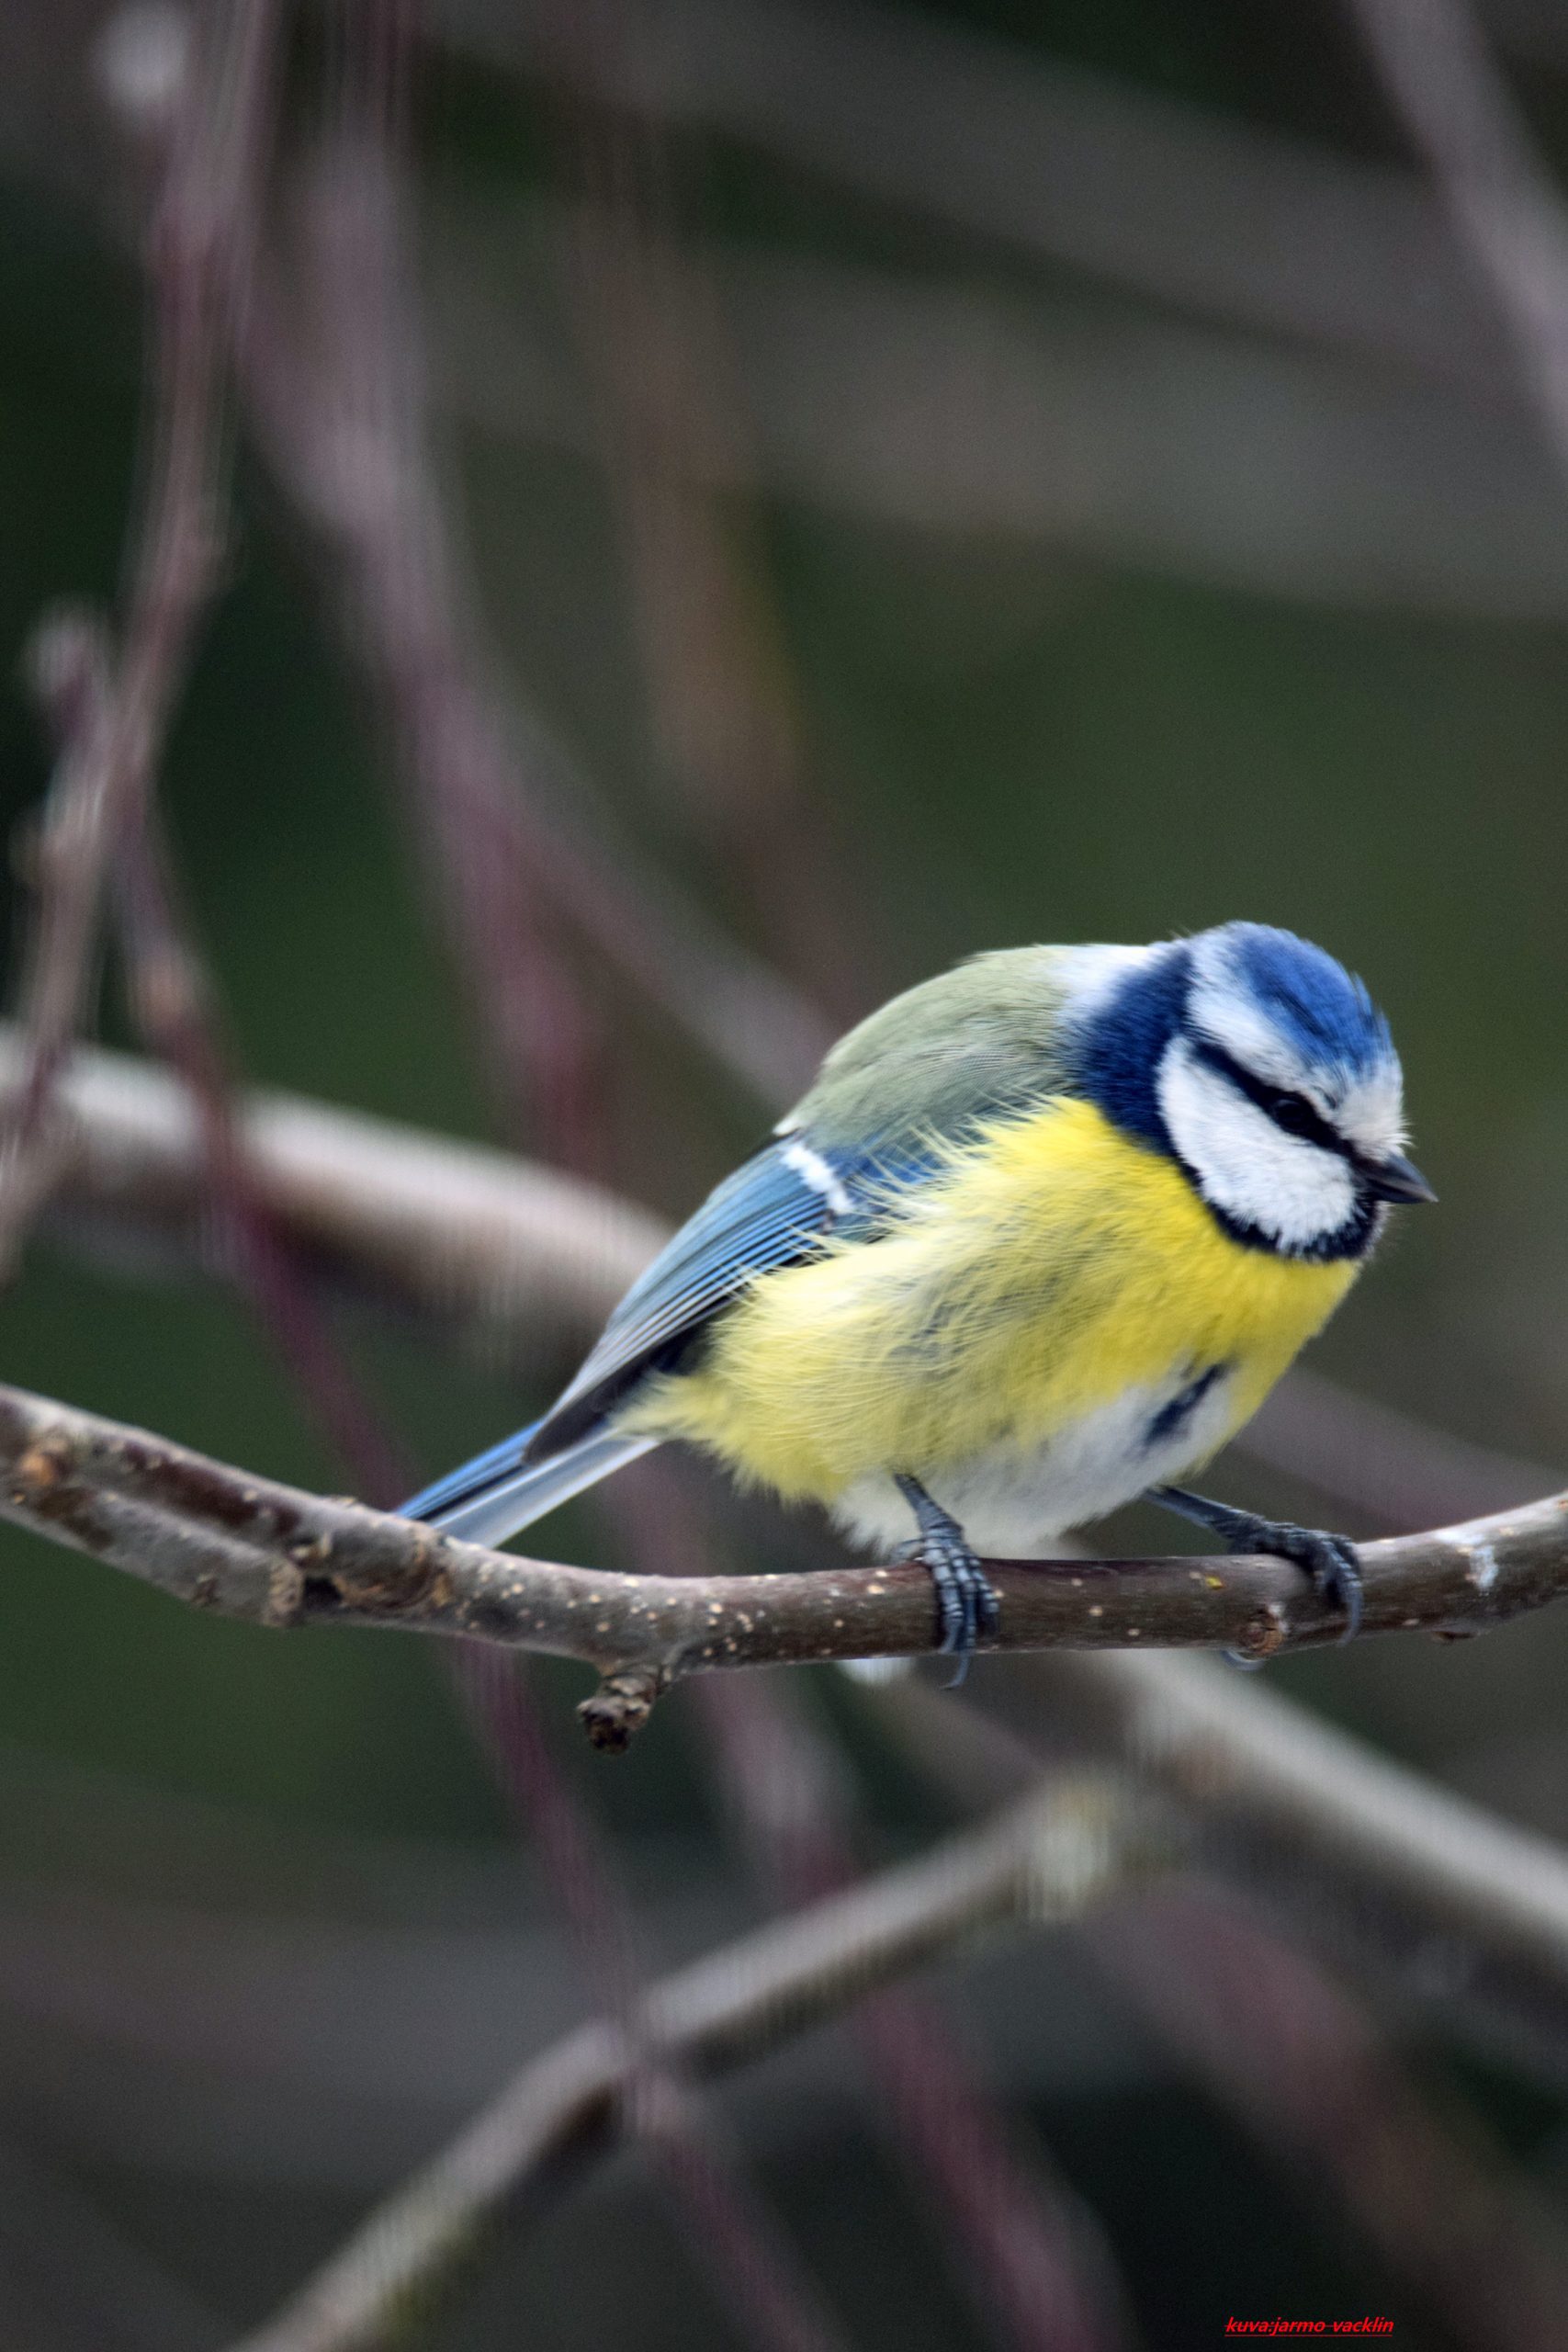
{"x": 776, "y": 1209}
{"x": 962, "y": 1048}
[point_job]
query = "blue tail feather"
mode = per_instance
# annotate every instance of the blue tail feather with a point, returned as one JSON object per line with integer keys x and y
{"x": 471, "y": 1478}
{"x": 498, "y": 1492}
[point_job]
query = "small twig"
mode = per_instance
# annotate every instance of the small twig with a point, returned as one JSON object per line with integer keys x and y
{"x": 1501, "y": 194}
{"x": 1461, "y": 1911}
{"x": 340, "y": 419}
{"x": 1304, "y": 2068}
{"x": 199, "y": 260}
{"x": 1268, "y": 2031}
{"x": 1051, "y": 1857}
{"x": 411, "y": 613}
{"x": 1031, "y": 2258}
{"x": 173, "y": 1005}
{"x": 253, "y": 1548}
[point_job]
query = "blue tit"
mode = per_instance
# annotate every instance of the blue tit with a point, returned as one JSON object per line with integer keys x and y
{"x": 1039, "y": 1239}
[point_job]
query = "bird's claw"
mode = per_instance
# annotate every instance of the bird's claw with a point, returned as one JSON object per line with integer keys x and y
{"x": 966, "y": 1602}
{"x": 1331, "y": 1561}
{"x": 1334, "y": 1565}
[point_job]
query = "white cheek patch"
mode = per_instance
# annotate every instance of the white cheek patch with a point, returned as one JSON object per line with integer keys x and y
{"x": 1295, "y": 1192}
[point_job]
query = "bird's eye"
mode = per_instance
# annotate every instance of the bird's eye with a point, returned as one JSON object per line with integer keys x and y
{"x": 1296, "y": 1117}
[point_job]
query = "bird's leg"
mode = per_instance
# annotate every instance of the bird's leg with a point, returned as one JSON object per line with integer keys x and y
{"x": 966, "y": 1606}
{"x": 1330, "y": 1559}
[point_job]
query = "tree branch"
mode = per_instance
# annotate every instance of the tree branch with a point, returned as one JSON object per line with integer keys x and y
{"x": 1501, "y": 194}
{"x": 199, "y": 261}
{"x": 1030, "y": 2256}
{"x": 514, "y": 1257}
{"x": 1462, "y": 1912}
{"x": 502, "y": 809}
{"x": 1287, "y": 1810}
{"x": 1050, "y": 1858}
{"x": 221, "y": 1538}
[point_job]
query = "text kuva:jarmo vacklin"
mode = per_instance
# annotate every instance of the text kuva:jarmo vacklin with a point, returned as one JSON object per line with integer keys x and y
{"x": 1365, "y": 2326}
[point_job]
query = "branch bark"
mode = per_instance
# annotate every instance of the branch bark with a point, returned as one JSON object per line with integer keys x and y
{"x": 348, "y": 447}
{"x": 1051, "y": 1857}
{"x": 1342, "y": 1847}
{"x": 510, "y": 1257}
{"x": 250, "y": 1547}
{"x": 199, "y": 256}
{"x": 1462, "y": 1913}
{"x": 1503, "y": 199}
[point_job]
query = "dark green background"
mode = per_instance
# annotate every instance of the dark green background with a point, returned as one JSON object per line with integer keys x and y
{"x": 1020, "y": 743}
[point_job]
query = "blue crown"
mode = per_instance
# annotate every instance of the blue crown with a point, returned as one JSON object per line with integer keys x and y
{"x": 1321, "y": 1012}
{"x": 1321, "y": 1009}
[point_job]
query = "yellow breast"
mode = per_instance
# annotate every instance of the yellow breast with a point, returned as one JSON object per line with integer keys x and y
{"x": 1051, "y": 1267}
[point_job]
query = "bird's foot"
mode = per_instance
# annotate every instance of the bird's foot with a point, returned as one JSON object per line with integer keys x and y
{"x": 1330, "y": 1560}
{"x": 966, "y": 1604}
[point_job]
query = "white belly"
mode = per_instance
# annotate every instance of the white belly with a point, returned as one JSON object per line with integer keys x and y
{"x": 1011, "y": 1501}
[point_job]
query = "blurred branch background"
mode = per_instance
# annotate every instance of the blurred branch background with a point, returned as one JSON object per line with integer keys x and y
{"x": 659, "y": 522}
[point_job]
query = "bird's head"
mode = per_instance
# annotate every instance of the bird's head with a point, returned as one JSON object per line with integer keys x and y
{"x": 1266, "y": 1072}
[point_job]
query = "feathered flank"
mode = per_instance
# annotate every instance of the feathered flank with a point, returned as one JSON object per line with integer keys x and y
{"x": 1039, "y": 1236}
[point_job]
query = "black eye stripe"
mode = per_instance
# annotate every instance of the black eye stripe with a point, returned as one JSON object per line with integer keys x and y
{"x": 1302, "y": 1118}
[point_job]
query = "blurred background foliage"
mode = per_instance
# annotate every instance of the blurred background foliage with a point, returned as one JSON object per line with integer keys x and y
{"x": 1216, "y": 689}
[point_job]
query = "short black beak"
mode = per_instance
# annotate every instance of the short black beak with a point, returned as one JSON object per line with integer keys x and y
{"x": 1398, "y": 1180}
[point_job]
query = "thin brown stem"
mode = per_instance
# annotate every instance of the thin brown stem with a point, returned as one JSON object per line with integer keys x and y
{"x": 1462, "y": 1916}
{"x": 1502, "y": 196}
{"x": 199, "y": 256}
{"x": 1051, "y": 1857}
{"x": 1268, "y": 2030}
{"x": 253, "y": 1548}
{"x": 1032, "y": 2262}
{"x": 337, "y": 399}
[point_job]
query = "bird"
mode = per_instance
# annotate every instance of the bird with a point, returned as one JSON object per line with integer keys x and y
{"x": 1038, "y": 1239}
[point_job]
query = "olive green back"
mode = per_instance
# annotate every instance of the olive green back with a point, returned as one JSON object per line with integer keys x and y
{"x": 968, "y": 1043}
